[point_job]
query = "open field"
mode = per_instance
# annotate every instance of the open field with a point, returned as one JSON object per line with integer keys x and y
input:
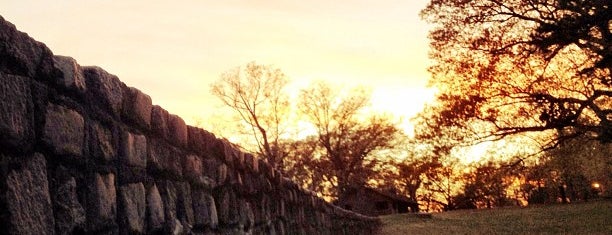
{"x": 579, "y": 218}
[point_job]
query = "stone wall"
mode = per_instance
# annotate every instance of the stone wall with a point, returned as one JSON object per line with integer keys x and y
{"x": 80, "y": 152}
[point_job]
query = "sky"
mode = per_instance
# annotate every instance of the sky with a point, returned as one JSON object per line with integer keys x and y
{"x": 174, "y": 50}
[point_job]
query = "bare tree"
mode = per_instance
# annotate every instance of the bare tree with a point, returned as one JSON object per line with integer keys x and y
{"x": 255, "y": 93}
{"x": 347, "y": 140}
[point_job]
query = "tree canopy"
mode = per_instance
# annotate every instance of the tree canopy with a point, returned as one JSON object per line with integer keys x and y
{"x": 509, "y": 67}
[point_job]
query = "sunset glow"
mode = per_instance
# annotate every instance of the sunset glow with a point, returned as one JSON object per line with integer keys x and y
{"x": 173, "y": 50}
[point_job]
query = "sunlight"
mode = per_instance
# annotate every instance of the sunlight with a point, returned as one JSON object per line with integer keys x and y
{"x": 403, "y": 102}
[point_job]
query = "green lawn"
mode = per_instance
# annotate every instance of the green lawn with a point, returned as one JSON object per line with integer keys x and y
{"x": 578, "y": 218}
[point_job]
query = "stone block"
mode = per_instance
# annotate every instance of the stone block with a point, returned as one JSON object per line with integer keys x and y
{"x": 247, "y": 218}
{"x": 133, "y": 204}
{"x": 16, "y": 111}
{"x": 239, "y": 162}
{"x": 222, "y": 174}
{"x": 195, "y": 139}
{"x": 106, "y": 88}
{"x": 72, "y": 75}
{"x": 252, "y": 163}
{"x": 210, "y": 168}
{"x": 209, "y": 141}
{"x": 133, "y": 149}
{"x": 155, "y": 207}
{"x": 177, "y": 130}
{"x": 64, "y": 130}
{"x": 192, "y": 167}
{"x": 163, "y": 157}
{"x": 227, "y": 206}
{"x": 237, "y": 180}
{"x": 280, "y": 228}
{"x": 102, "y": 202}
{"x": 204, "y": 210}
{"x": 249, "y": 184}
{"x": 229, "y": 152}
{"x": 169, "y": 197}
{"x": 261, "y": 209}
{"x": 28, "y": 200}
{"x": 22, "y": 55}
{"x": 184, "y": 204}
{"x": 264, "y": 167}
{"x": 69, "y": 213}
{"x": 101, "y": 143}
{"x": 137, "y": 107}
{"x": 176, "y": 200}
{"x": 159, "y": 121}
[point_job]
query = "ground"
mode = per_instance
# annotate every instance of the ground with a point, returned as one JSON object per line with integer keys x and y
{"x": 579, "y": 218}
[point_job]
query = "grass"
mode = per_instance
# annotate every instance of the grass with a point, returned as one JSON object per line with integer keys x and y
{"x": 579, "y": 218}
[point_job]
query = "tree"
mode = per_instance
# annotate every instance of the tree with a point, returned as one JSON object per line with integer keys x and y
{"x": 509, "y": 67}
{"x": 413, "y": 172}
{"x": 485, "y": 187}
{"x": 567, "y": 173}
{"x": 255, "y": 93}
{"x": 304, "y": 165}
{"x": 347, "y": 141}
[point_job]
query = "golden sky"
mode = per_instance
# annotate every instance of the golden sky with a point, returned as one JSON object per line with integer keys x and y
{"x": 173, "y": 50}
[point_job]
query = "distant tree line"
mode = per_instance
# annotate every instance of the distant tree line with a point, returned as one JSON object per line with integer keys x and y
{"x": 536, "y": 72}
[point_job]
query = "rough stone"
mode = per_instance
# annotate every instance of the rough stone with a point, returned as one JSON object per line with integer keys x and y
{"x": 69, "y": 213}
{"x": 159, "y": 121}
{"x": 176, "y": 228}
{"x": 134, "y": 150}
{"x": 204, "y": 209}
{"x": 102, "y": 204}
{"x": 155, "y": 208}
{"x": 64, "y": 130}
{"x": 192, "y": 167}
{"x": 169, "y": 197}
{"x": 106, "y": 88}
{"x": 240, "y": 160}
{"x": 222, "y": 174}
{"x": 137, "y": 107}
{"x": 133, "y": 207}
{"x": 162, "y": 157}
{"x": 28, "y": 200}
{"x": 247, "y": 218}
{"x": 195, "y": 139}
{"x": 22, "y": 55}
{"x": 248, "y": 184}
{"x": 16, "y": 118}
{"x": 227, "y": 206}
{"x": 72, "y": 77}
{"x": 184, "y": 205}
{"x": 228, "y": 152}
{"x": 177, "y": 130}
{"x": 252, "y": 163}
{"x": 210, "y": 168}
{"x": 101, "y": 145}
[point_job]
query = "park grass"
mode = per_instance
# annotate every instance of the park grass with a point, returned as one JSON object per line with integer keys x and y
{"x": 577, "y": 218}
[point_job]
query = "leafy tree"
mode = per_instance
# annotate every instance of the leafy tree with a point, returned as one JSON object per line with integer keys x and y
{"x": 413, "y": 172}
{"x": 440, "y": 188}
{"x": 509, "y": 67}
{"x": 304, "y": 165}
{"x": 567, "y": 173}
{"x": 255, "y": 93}
{"x": 485, "y": 187}
{"x": 347, "y": 141}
